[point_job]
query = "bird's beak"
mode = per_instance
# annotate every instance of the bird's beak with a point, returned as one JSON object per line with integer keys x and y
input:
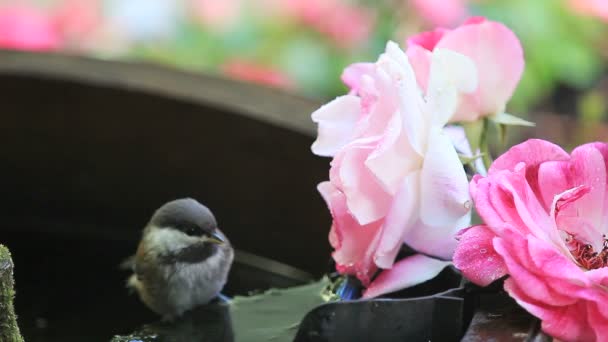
{"x": 217, "y": 238}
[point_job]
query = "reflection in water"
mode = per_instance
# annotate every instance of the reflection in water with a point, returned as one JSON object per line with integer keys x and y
{"x": 206, "y": 323}
{"x": 276, "y": 315}
{"x": 273, "y": 315}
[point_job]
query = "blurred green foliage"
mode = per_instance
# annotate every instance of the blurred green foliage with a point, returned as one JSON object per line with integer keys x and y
{"x": 311, "y": 59}
{"x": 561, "y": 47}
{"x": 304, "y": 45}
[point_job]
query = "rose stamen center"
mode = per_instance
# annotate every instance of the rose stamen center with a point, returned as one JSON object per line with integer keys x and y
{"x": 586, "y": 256}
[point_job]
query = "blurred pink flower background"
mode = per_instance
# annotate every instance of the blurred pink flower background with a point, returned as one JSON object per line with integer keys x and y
{"x": 26, "y": 28}
{"x": 597, "y": 8}
{"x": 309, "y": 42}
{"x": 442, "y": 13}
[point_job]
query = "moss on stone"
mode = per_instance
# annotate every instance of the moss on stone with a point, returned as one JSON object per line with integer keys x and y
{"x": 9, "y": 331}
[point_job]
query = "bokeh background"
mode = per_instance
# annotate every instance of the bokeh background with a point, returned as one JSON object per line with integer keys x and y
{"x": 81, "y": 176}
{"x": 303, "y": 45}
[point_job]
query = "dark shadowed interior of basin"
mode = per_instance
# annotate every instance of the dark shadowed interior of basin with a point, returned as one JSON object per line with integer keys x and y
{"x": 89, "y": 149}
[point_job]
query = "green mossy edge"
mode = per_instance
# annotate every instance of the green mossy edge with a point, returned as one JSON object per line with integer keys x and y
{"x": 9, "y": 330}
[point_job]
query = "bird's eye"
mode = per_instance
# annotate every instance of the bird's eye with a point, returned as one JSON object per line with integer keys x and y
{"x": 193, "y": 231}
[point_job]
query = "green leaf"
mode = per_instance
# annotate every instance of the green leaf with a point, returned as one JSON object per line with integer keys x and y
{"x": 510, "y": 120}
{"x": 275, "y": 315}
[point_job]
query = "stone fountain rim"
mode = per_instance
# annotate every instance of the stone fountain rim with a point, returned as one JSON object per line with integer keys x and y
{"x": 270, "y": 105}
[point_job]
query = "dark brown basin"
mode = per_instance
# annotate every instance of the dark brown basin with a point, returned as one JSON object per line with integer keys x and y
{"x": 89, "y": 148}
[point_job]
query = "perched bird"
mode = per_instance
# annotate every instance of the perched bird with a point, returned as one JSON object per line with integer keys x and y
{"x": 182, "y": 260}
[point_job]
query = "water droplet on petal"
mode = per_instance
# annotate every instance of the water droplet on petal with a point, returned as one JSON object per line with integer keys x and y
{"x": 483, "y": 251}
{"x": 467, "y": 205}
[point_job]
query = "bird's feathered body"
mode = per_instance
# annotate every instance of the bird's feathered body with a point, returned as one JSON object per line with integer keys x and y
{"x": 175, "y": 267}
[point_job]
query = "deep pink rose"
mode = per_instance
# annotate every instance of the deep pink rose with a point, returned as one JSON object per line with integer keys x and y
{"x": 546, "y": 227}
{"x": 27, "y": 28}
{"x": 395, "y": 176}
{"x": 494, "y": 49}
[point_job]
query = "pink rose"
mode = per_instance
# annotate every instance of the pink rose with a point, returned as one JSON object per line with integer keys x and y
{"x": 344, "y": 23}
{"x": 77, "y": 20}
{"x": 597, "y": 8}
{"x": 441, "y": 12}
{"x": 395, "y": 176}
{"x": 546, "y": 227}
{"x": 494, "y": 49}
{"x": 255, "y": 73}
{"x": 27, "y": 28}
{"x": 219, "y": 15}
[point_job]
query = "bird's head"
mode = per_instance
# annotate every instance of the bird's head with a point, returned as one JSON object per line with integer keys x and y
{"x": 185, "y": 230}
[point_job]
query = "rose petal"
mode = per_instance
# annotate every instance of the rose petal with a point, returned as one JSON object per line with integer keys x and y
{"x": 354, "y": 244}
{"x": 408, "y": 272}
{"x": 562, "y": 322}
{"x": 476, "y": 258}
{"x": 597, "y": 321}
{"x": 399, "y": 220}
{"x": 528, "y": 212}
{"x": 531, "y": 152}
{"x": 427, "y": 40}
{"x": 565, "y": 213}
{"x": 351, "y": 76}
{"x": 590, "y": 170}
{"x": 598, "y": 276}
{"x": 444, "y": 193}
{"x": 336, "y": 121}
{"x": 394, "y": 158}
{"x": 366, "y": 199}
{"x": 553, "y": 263}
{"x": 603, "y": 149}
{"x": 420, "y": 58}
{"x": 498, "y": 55}
{"x": 554, "y": 177}
{"x": 410, "y": 102}
{"x": 494, "y": 204}
{"x": 437, "y": 241}
{"x": 459, "y": 139}
{"x": 519, "y": 265}
{"x": 451, "y": 75}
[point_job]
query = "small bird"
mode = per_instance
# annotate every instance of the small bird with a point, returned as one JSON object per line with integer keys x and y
{"x": 182, "y": 260}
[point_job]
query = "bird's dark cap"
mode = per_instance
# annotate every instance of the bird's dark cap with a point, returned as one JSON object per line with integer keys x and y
{"x": 187, "y": 215}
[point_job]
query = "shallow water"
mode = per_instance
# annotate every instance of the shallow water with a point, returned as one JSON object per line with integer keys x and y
{"x": 71, "y": 289}
{"x": 271, "y": 316}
